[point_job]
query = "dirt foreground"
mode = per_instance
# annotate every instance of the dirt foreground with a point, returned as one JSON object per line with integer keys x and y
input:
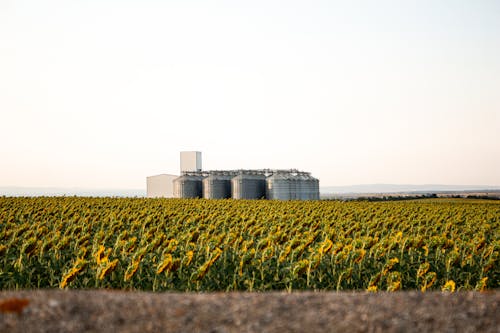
{"x": 117, "y": 311}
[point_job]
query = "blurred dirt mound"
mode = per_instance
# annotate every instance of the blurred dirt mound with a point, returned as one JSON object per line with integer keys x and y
{"x": 119, "y": 311}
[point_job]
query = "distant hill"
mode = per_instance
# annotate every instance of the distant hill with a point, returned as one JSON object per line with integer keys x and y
{"x": 60, "y": 191}
{"x": 393, "y": 188}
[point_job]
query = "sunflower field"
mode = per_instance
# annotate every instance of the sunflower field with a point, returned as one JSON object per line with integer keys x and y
{"x": 227, "y": 245}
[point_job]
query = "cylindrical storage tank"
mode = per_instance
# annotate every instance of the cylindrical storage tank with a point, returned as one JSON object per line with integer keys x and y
{"x": 279, "y": 186}
{"x": 248, "y": 186}
{"x": 217, "y": 186}
{"x": 295, "y": 186}
{"x": 188, "y": 186}
{"x": 310, "y": 187}
{"x": 314, "y": 188}
{"x": 303, "y": 187}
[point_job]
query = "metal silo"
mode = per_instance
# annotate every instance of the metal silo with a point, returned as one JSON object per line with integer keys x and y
{"x": 217, "y": 186}
{"x": 297, "y": 190}
{"x": 279, "y": 186}
{"x": 248, "y": 186}
{"x": 188, "y": 186}
{"x": 309, "y": 187}
{"x": 314, "y": 188}
{"x": 301, "y": 187}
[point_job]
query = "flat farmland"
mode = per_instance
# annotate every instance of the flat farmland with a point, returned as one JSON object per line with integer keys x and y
{"x": 232, "y": 245}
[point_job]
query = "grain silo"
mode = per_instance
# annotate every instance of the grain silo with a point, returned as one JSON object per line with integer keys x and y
{"x": 295, "y": 185}
{"x": 217, "y": 185}
{"x": 313, "y": 188}
{"x": 188, "y": 186}
{"x": 308, "y": 187}
{"x": 290, "y": 184}
{"x": 249, "y": 185}
{"x": 301, "y": 187}
{"x": 279, "y": 186}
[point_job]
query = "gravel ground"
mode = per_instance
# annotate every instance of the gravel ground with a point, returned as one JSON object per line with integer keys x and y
{"x": 120, "y": 311}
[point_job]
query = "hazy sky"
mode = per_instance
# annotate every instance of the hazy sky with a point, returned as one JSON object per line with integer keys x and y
{"x": 102, "y": 93}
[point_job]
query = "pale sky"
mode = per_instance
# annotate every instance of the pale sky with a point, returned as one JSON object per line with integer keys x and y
{"x": 102, "y": 93}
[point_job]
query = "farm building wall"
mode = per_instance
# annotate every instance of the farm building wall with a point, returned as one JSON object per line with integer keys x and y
{"x": 160, "y": 186}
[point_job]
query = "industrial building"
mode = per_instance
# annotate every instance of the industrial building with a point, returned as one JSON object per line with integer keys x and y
{"x": 190, "y": 161}
{"x": 289, "y": 184}
{"x": 160, "y": 186}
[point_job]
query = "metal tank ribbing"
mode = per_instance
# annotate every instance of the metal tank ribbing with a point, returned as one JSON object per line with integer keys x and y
{"x": 274, "y": 184}
{"x": 315, "y": 189}
{"x": 248, "y": 185}
{"x": 279, "y": 186}
{"x": 188, "y": 186}
{"x": 295, "y": 186}
{"x": 217, "y": 186}
{"x": 292, "y": 185}
{"x": 302, "y": 187}
{"x": 309, "y": 187}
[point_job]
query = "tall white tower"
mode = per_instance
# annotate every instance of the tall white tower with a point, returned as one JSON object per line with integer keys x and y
{"x": 190, "y": 161}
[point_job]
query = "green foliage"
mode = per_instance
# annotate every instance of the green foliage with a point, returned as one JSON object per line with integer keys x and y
{"x": 222, "y": 245}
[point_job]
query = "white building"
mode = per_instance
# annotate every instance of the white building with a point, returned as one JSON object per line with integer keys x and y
{"x": 190, "y": 161}
{"x": 161, "y": 186}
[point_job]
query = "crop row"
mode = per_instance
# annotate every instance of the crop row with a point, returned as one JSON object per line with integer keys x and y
{"x": 208, "y": 245}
